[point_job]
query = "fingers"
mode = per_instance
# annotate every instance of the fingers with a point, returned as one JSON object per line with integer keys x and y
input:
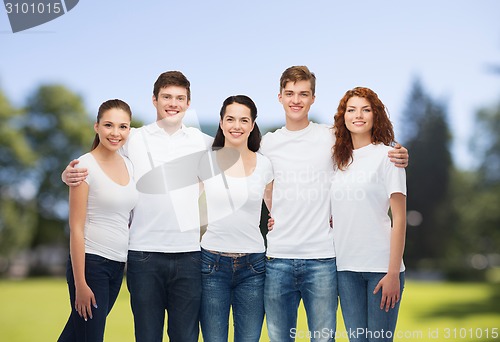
{"x": 377, "y": 288}
{"x": 73, "y": 163}
{"x": 85, "y": 309}
{"x": 270, "y": 223}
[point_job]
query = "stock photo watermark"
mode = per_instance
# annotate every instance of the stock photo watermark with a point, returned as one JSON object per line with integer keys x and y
{"x": 452, "y": 334}
{"x": 26, "y": 14}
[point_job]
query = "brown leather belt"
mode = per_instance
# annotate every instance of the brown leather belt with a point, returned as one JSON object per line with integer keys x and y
{"x": 229, "y": 255}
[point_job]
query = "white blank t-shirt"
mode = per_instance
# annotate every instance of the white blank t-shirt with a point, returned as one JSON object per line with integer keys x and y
{"x": 303, "y": 167}
{"x": 360, "y": 202}
{"x": 234, "y": 210}
{"x": 108, "y": 211}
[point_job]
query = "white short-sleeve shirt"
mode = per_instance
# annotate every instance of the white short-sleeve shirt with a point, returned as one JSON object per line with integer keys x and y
{"x": 303, "y": 167}
{"x": 108, "y": 211}
{"x": 360, "y": 198}
{"x": 234, "y": 208}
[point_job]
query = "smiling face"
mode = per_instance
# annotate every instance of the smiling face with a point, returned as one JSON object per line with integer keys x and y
{"x": 113, "y": 128}
{"x": 171, "y": 106}
{"x": 297, "y": 98}
{"x": 359, "y": 117}
{"x": 236, "y": 125}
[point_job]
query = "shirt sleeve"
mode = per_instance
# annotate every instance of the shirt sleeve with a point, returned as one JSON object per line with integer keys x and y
{"x": 394, "y": 178}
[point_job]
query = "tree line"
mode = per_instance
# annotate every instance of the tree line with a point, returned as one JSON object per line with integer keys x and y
{"x": 453, "y": 214}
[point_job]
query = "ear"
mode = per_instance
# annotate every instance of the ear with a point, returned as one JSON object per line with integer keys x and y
{"x": 96, "y": 125}
{"x": 253, "y": 126}
{"x": 280, "y": 98}
{"x": 314, "y": 98}
{"x": 155, "y": 101}
{"x": 220, "y": 123}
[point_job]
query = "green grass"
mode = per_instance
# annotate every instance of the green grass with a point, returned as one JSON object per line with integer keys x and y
{"x": 37, "y": 309}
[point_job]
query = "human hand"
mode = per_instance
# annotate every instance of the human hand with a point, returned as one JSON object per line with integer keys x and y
{"x": 270, "y": 223}
{"x": 399, "y": 156}
{"x": 84, "y": 300}
{"x": 73, "y": 176}
{"x": 391, "y": 292}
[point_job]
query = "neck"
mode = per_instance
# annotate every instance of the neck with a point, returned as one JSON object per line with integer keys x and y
{"x": 360, "y": 141}
{"x": 293, "y": 125}
{"x": 242, "y": 149}
{"x": 103, "y": 153}
{"x": 169, "y": 128}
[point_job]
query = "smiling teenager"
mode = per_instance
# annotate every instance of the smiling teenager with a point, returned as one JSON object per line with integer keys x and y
{"x": 233, "y": 251}
{"x": 369, "y": 245}
{"x": 99, "y": 214}
{"x": 301, "y": 262}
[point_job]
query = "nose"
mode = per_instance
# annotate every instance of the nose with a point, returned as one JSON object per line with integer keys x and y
{"x": 173, "y": 102}
{"x": 115, "y": 131}
{"x": 296, "y": 98}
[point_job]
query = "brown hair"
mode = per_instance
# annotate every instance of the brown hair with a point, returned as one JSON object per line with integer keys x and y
{"x": 382, "y": 131}
{"x": 298, "y": 73}
{"x": 104, "y": 107}
{"x": 172, "y": 78}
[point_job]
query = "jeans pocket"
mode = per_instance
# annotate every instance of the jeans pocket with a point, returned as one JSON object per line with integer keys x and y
{"x": 138, "y": 256}
{"x": 259, "y": 266}
{"x": 207, "y": 268}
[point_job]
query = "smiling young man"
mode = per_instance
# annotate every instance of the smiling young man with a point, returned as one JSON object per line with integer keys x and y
{"x": 300, "y": 253}
{"x": 163, "y": 265}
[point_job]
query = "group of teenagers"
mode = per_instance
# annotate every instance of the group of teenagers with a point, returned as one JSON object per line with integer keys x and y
{"x": 328, "y": 190}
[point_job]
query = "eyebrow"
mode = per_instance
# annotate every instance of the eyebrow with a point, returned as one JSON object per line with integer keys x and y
{"x": 232, "y": 117}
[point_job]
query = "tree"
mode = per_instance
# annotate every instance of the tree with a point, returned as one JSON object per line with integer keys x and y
{"x": 17, "y": 213}
{"x": 427, "y": 138}
{"x": 58, "y": 129}
{"x": 486, "y": 144}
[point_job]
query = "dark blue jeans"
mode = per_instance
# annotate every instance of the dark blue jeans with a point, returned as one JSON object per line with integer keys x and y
{"x": 363, "y": 318}
{"x": 232, "y": 282}
{"x": 104, "y": 277}
{"x": 165, "y": 281}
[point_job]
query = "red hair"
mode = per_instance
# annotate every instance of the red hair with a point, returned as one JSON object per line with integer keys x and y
{"x": 382, "y": 131}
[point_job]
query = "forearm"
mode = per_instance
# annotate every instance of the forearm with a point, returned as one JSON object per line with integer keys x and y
{"x": 77, "y": 252}
{"x": 398, "y": 233}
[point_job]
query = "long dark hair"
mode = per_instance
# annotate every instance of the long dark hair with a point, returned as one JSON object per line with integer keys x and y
{"x": 104, "y": 107}
{"x": 255, "y": 136}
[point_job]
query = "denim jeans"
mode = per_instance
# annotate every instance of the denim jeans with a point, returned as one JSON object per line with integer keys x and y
{"x": 104, "y": 277}
{"x": 165, "y": 281}
{"x": 236, "y": 282}
{"x": 363, "y": 318}
{"x": 312, "y": 280}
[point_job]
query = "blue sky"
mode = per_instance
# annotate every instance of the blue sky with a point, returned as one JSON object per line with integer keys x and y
{"x": 117, "y": 48}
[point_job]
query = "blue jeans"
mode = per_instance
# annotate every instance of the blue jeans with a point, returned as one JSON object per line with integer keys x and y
{"x": 363, "y": 318}
{"x": 289, "y": 280}
{"x": 165, "y": 281}
{"x": 104, "y": 277}
{"x": 236, "y": 282}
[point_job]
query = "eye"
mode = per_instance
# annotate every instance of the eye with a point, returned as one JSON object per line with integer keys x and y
{"x": 107, "y": 125}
